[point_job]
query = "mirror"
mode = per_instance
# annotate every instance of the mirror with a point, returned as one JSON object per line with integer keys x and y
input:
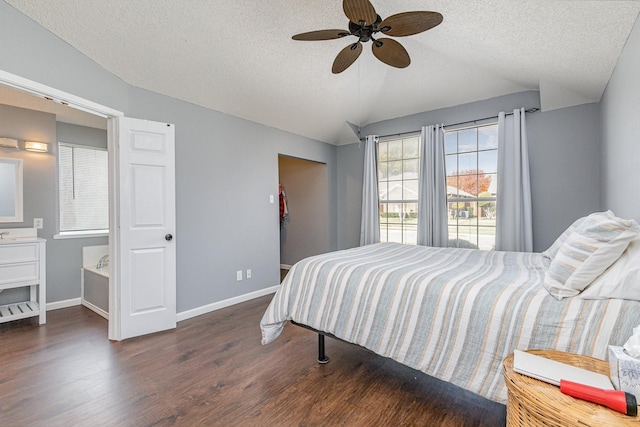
{"x": 10, "y": 190}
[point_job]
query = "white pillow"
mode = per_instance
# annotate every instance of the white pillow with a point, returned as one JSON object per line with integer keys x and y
{"x": 594, "y": 245}
{"x": 553, "y": 249}
{"x": 621, "y": 280}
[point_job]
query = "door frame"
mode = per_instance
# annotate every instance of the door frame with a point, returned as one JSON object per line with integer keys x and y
{"x": 112, "y": 116}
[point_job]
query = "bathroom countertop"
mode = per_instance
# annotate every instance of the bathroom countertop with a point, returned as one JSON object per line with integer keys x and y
{"x": 15, "y": 240}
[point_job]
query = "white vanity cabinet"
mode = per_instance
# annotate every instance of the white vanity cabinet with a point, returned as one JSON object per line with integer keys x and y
{"x": 22, "y": 264}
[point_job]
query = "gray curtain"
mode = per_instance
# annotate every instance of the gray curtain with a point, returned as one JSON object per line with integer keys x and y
{"x": 432, "y": 199}
{"x": 370, "y": 222}
{"x": 513, "y": 211}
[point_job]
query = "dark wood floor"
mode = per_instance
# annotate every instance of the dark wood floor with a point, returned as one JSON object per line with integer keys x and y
{"x": 212, "y": 370}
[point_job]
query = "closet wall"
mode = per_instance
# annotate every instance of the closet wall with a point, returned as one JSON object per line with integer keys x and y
{"x": 306, "y": 232}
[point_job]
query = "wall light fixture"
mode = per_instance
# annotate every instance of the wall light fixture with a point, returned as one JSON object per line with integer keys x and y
{"x": 40, "y": 147}
{"x": 8, "y": 143}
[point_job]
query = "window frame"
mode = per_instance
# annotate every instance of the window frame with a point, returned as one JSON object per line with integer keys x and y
{"x": 473, "y": 200}
{"x": 73, "y": 234}
{"x": 405, "y": 226}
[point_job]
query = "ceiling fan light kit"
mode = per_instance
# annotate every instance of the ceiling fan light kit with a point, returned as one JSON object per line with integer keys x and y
{"x": 364, "y": 23}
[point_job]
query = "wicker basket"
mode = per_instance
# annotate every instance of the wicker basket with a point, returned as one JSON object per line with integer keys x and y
{"x": 535, "y": 403}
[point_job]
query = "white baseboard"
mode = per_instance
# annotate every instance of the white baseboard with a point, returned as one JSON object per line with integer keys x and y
{"x": 285, "y": 267}
{"x": 57, "y": 305}
{"x": 184, "y": 315}
{"x": 95, "y": 309}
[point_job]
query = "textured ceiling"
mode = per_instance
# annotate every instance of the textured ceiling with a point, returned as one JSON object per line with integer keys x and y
{"x": 237, "y": 56}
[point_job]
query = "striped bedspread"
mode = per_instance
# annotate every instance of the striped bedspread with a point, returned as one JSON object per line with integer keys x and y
{"x": 452, "y": 313}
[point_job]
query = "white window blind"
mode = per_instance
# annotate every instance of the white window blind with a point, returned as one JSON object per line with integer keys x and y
{"x": 83, "y": 188}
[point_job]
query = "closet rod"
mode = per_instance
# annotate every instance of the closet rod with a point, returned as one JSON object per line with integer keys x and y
{"x": 528, "y": 110}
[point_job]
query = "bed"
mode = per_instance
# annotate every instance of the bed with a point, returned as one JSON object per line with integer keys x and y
{"x": 454, "y": 314}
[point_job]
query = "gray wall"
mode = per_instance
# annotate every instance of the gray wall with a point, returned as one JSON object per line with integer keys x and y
{"x": 64, "y": 257}
{"x": 563, "y": 149}
{"x": 620, "y": 190}
{"x": 82, "y": 135}
{"x": 306, "y": 232}
{"x": 226, "y": 167}
{"x": 349, "y": 180}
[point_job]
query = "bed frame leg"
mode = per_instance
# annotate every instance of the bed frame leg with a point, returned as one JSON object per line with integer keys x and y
{"x": 322, "y": 358}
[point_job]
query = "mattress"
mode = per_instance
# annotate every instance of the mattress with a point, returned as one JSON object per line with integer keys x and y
{"x": 451, "y": 313}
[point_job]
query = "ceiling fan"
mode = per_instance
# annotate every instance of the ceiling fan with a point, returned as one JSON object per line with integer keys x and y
{"x": 364, "y": 23}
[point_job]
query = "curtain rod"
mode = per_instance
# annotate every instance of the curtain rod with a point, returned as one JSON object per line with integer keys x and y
{"x": 528, "y": 110}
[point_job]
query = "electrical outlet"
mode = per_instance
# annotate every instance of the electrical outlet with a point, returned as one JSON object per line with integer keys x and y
{"x": 239, "y": 275}
{"x": 249, "y": 274}
{"x": 38, "y": 223}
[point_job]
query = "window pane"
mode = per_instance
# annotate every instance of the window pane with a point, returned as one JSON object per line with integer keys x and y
{"x": 383, "y": 234}
{"x": 411, "y": 148}
{"x": 451, "y": 164}
{"x": 488, "y": 161}
{"x": 451, "y": 142}
{"x": 382, "y": 190}
{"x": 410, "y": 169}
{"x": 493, "y": 184}
{"x": 487, "y": 238}
{"x": 395, "y": 149}
{"x": 394, "y": 170}
{"x": 383, "y": 213}
{"x": 410, "y": 235}
{"x": 487, "y": 213}
{"x": 488, "y": 137}
{"x": 452, "y": 186}
{"x": 410, "y": 190}
{"x": 410, "y": 213}
{"x": 484, "y": 182}
{"x": 382, "y": 170}
{"x": 467, "y": 185}
{"x": 467, "y": 140}
{"x": 468, "y": 235}
{"x": 395, "y": 190}
{"x": 467, "y": 162}
{"x": 382, "y": 151}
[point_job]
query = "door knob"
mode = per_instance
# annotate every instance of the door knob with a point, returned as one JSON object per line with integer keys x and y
{"x": 168, "y": 237}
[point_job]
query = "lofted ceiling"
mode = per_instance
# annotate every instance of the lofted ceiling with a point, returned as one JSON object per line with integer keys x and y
{"x": 237, "y": 56}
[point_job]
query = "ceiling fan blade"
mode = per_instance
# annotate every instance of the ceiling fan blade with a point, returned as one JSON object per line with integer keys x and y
{"x": 359, "y": 10}
{"x": 346, "y": 57}
{"x": 391, "y": 53}
{"x": 321, "y": 35}
{"x": 409, "y": 23}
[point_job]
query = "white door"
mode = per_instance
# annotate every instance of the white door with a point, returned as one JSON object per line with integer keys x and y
{"x": 144, "y": 245}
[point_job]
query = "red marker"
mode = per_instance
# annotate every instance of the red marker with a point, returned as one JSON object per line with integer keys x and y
{"x": 615, "y": 399}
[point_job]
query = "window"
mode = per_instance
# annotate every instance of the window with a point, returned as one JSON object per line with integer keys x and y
{"x": 472, "y": 166}
{"x": 83, "y": 188}
{"x": 398, "y": 166}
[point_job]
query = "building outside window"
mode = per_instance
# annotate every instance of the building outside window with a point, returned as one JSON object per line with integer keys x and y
{"x": 472, "y": 177}
{"x": 83, "y": 188}
{"x": 398, "y": 167}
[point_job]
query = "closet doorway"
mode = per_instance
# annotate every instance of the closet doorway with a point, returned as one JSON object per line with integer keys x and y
{"x": 305, "y": 231}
